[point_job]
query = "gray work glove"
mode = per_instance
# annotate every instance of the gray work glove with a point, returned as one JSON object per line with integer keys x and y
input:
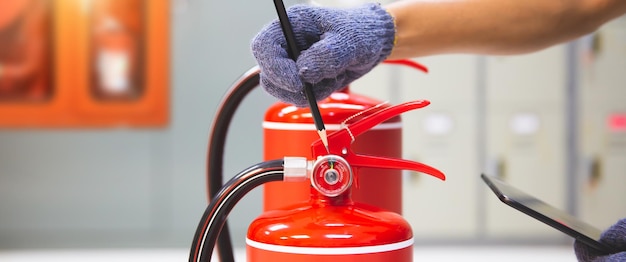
{"x": 615, "y": 236}
{"x": 337, "y": 47}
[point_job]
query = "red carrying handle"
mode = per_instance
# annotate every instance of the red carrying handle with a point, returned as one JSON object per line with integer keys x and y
{"x": 409, "y": 63}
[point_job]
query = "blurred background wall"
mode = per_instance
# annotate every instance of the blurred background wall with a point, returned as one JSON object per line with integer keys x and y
{"x": 551, "y": 123}
{"x": 119, "y": 187}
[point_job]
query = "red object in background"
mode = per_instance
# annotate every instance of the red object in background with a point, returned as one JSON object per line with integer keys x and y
{"x": 116, "y": 49}
{"x": 139, "y": 53}
{"x": 25, "y": 53}
{"x": 617, "y": 122}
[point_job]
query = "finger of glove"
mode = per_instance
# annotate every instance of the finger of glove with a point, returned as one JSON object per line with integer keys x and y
{"x": 269, "y": 47}
{"x": 325, "y": 59}
{"x": 353, "y": 39}
{"x": 326, "y": 87}
{"x": 618, "y": 257}
{"x": 616, "y": 235}
{"x": 335, "y": 80}
{"x": 584, "y": 252}
{"x": 304, "y": 22}
{"x": 278, "y": 69}
{"x": 297, "y": 98}
{"x": 303, "y": 25}
{"x": 322, "y": 90}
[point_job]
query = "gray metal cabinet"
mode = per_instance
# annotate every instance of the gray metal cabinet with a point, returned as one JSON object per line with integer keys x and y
{"x": 602, "y": 125}
{"x": 525, "y": 127}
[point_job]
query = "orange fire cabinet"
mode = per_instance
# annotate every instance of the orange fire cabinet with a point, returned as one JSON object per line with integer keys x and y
{"x": 76, "y": 63}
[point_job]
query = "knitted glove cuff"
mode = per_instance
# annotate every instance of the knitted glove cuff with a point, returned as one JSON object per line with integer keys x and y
{"x": 380, "y": 25}
{"x": 387, "y": 31}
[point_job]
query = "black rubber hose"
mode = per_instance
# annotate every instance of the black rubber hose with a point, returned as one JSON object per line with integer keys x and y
{"x": 214, "y": 217}
{"x": 217, "y": 139}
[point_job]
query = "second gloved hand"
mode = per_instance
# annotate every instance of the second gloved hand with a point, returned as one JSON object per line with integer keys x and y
{"x": 337, "y": 47}
{"x": 615, "y": 237}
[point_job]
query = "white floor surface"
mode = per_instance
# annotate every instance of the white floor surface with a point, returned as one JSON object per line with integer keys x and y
{"x": 434, "y": 253}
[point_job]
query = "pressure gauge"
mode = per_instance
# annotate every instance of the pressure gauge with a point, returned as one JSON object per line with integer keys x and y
{"x": 331, "y": 175}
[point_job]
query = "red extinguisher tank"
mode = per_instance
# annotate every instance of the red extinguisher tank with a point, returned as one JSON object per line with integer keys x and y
{"x": 329, "y": 225}
{"x": 330, "y": 230}
{"x": 289, "y": 130}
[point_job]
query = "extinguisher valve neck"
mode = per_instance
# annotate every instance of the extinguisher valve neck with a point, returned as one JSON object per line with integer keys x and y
{"x": 296, "y": 169}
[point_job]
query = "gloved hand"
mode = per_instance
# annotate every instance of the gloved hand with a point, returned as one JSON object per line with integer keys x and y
{"x": 615, "y": 236}
{"x": 337, "y": 47}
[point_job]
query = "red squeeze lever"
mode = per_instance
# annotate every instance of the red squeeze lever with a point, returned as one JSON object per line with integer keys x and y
{"x": 339, "y": 142}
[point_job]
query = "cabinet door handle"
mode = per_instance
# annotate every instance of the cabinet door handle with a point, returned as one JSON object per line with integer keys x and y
{"x": 497, "y": 167}
{"x": 594, "y": 173}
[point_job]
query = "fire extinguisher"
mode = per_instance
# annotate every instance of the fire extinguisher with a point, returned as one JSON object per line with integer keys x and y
{"x": 345, "y": 103}
{"x": 116, "y": 49}
{"x": 330, "y": 226}
{"x": 289, "y": 130}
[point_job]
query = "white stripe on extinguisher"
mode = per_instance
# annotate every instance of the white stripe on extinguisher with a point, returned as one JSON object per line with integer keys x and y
{"x": 331, "y": 250}
{"x": 307, "y": 127}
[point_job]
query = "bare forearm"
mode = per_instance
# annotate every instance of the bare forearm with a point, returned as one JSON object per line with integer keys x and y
{"x": 496, "y": 27}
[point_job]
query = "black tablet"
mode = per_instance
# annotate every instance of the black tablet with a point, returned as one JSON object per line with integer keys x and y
{"x": 547, "y": 214}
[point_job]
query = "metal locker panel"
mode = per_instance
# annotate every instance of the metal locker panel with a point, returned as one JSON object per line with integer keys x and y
{"x": 438, "y": 137}
{"x": 442, "y": 135}
{"x": 603, "y": 184}
{"x": 602, "y": 202}
{"x": 603, "y": 63}
{"x": 449, "y": 78}
{"x": 602, "y": 181}
{"x": 602, "y": 126}
{"x": 525, "y": 149}
{"x": 525, "y": 125}
{"x": 531, "y": 77}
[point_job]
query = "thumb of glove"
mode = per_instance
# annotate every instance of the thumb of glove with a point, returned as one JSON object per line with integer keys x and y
{"x": 614, "y": 236}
